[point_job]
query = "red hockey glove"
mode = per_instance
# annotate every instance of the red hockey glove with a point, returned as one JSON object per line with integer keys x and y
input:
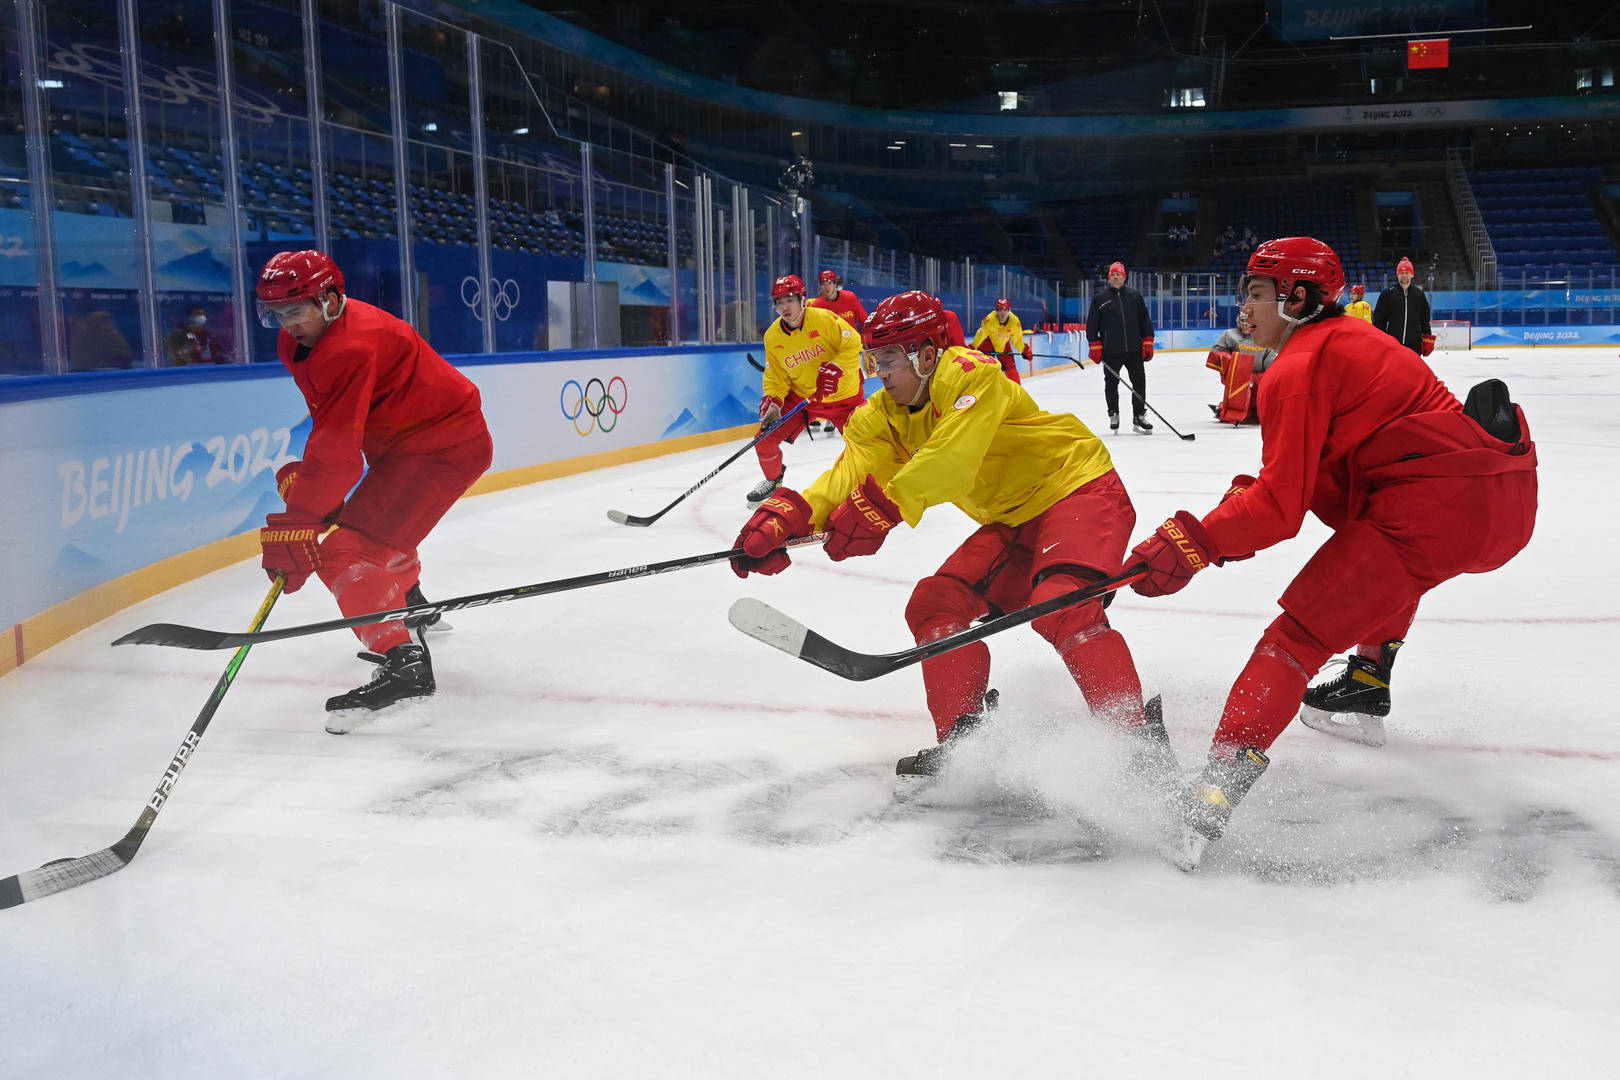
{"x": 1176, "y": 551}
{"x": 1096, "y": 352}
{"x": 860, "y": 523}
{"x": 1147, "y": 349}
{"x": 289, "y": 544}
{"x": 827, "y": 380}
{"x": 770, "y": 410}
{"x": 1428, "y": 344}
{"x": 1029, "y": 353}
{"x": 779, "y": 519}
{"x": 1219, "y": 360}
{"x": 285, "y": 477}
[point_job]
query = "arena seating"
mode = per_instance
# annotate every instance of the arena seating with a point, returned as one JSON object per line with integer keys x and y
{"x": 1542, "y": 221}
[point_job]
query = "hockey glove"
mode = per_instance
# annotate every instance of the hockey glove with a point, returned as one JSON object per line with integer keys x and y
{"x": 1096, "y": 352}
{"x": 285, "y": 477}
{"x": 1176, "y": 551}
{"x": 859, "y": 525}
{"x": 827, "y": 380}
{"x": 1147, "y": 349}
{"x": 290, "y": 546}
{"x": 1029, "y": 353}
{"x": 1428, "y": 344}
{"x": 779, "y": 519}
{"x": 770, "y": 410}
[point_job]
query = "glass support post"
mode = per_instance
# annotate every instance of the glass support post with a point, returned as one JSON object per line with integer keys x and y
{"x": 233, "y": 175}
{"x": 315, "y": 94}
{"x": 486, "y": 274}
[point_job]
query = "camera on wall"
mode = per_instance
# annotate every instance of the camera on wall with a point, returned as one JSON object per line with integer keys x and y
{"x": 798, "y": 177}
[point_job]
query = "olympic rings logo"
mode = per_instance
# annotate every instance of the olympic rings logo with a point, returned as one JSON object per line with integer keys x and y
{"x": 503, "y": 297}
{"x": 599, "y": 404}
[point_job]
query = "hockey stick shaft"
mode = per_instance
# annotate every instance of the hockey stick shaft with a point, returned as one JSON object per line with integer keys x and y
{"x": 1120, "y": 375}
{"x": 765, "y": 623}
{"x": 194, "y": 637}
{"x": 621, "y": 518}
{"x": 62, "y": 874}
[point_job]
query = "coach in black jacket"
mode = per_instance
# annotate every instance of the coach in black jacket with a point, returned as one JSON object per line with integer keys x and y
{"x": 1403, "y": 312}
{"x": 1121, "y": 334}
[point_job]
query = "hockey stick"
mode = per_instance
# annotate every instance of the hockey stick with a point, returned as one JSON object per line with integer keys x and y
{"x": 1120, "y": 375}
{"x": 619, "y": 517}
{"x": 193, "y": 637}
{"x": 761, "y": 621}
{"x": 757, "y": 365}
{"x": 60, "y": 874}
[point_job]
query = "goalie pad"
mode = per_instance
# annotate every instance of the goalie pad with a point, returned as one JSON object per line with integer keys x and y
{"x": 1237, "y": 385}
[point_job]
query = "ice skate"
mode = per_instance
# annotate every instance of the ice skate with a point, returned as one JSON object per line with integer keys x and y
{"x": 406, "y": 672}
{"x": 1353, "y": 705}
{"x": 1141, "y": 425}
{"x": 1207, "y": 804}
{"x": 1153, "y": 763}
{"x": 917, "y": 771}
{"x": 763, "y": 490}
{"x": 1113, "y": 421}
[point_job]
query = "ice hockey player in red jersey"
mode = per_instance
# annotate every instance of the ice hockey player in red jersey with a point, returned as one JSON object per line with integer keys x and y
{"x": 1001, "y": 335}
{"x": 384, "y": 403}
{"x": 811, "y": 354}
{"x": 1416, "y": 486}
{"x": 949, "y": 427}
{"x": 835, "y": 298}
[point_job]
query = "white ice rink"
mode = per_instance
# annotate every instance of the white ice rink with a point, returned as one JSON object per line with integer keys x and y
{"x": 625, "y": 840}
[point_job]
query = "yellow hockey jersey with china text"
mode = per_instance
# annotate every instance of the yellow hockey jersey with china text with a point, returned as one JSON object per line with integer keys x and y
{"x": 793, "y": 358}
{"x": 1360, "y": 309}
{"x": 979, "y": 441}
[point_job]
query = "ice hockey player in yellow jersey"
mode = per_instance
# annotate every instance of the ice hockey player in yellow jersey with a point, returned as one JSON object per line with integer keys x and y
{"x": 813, "y": 355}
{"x": 1000, "y": 335}
{"x": 949, "y": 427}
{"x": 1358, "y": 305}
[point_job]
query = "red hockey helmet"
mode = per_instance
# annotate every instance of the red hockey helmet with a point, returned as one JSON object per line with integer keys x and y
{"x": 909, "y": 320}
{"x": 829, "y": 275}
{"x": 1004, "y": 304}
{"x": 787, "y": 285}
{"x": 1296, "y": 260}
{"x": 1358, "y": 291}
{"x": 291, "y": 276}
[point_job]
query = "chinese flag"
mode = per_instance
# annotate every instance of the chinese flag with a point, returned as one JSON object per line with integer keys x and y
{"x": 1431, "y": 53}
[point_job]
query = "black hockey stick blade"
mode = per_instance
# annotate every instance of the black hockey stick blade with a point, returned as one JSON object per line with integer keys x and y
{"x": 619, "y": 517}
{"x": 757, "y": 365}
{"x": 62, "y": 874}
{"x": 179, "y": 636}
{"x": 759, "y": 620}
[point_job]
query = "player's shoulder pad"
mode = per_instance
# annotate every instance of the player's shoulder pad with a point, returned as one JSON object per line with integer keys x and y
{"x": 965, "y": 371}
{"x": 829, "y": 321}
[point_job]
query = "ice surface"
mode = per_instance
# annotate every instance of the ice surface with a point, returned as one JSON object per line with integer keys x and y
{"x": 626, "y": 840}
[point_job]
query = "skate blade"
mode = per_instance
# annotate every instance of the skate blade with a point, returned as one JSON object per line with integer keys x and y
{"x": 1186, "y": 851}
{"x": 346, "y": 721}
{"x": 1362, "y": 728}
{"x": 908, "y": 786}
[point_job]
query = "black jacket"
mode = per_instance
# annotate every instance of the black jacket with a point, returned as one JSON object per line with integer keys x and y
{"x": 1119, "y": 319}
{"x": 1403, "y": 314}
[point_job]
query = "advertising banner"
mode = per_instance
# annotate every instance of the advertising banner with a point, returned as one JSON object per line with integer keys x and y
{"x": 101, "y": 483}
